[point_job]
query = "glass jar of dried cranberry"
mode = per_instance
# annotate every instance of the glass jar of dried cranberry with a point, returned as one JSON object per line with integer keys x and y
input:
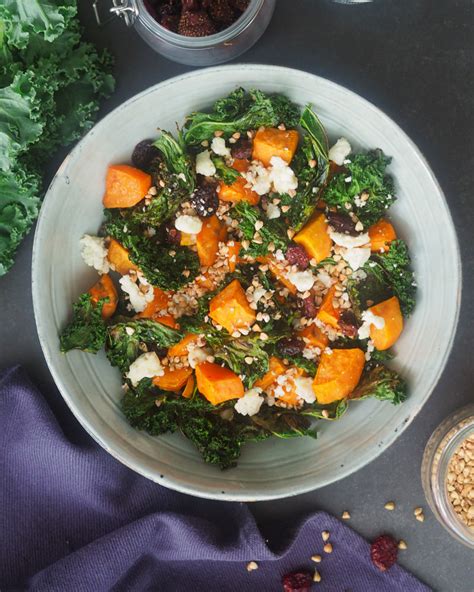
{"x": 194, "y": 32}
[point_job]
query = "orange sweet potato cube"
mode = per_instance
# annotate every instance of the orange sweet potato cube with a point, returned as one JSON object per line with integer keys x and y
{"x": 338, "y": 374}
{"x": 105, "y": 288}
{"x": 315, "y": 238}
{"x": 207, "y": 241}
{"x": 173, "y": 380}
{"x": 271, "y": 141}
{"x": 313, "y": 336}
{"x": 181, "y": 348}
{"x": 381, "y": 235}
{"x": 119, "y": 259}
{"x": 125, "y": 186}
{"x": 231, "y": 309}
{"x": 277, "y": 367}
{"x": 218, "y": 384}
{"x": 159, "y": 303}
{"x": 390, "y": 311}
{"x": 327, "y": 313}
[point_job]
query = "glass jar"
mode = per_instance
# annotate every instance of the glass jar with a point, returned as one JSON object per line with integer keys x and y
{"x": 441, "y": 446}
{"x": 196, "y": 51}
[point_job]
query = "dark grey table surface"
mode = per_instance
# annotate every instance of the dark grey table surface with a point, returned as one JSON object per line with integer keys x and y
{"x": 415, "y": 60}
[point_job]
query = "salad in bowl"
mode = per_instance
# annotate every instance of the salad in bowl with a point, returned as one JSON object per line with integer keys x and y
{"x": 251, "y": 282}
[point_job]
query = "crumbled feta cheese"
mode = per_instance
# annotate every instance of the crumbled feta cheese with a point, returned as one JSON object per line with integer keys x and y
{"x": 94, "y": 252}
{"x": 304, "y": 388}
{"x": 273, "y": 211}
{"x": 197, "y": 354}
{"x": 218, "y": 147}
{"x": 302, "y": 280}
{"x": 340, "y": 151}
{"x": 204, "y": 164}
{"x": 324, "y": 277}
{"x": 279, "y": 255}
{"x": 146, "y": 366}
{"x": 311, "y": 353}
{"x": 138, "y": 299}
{"x": 250, "y": 403}
{"x": 368, "y": 319}
{"x": 188, "y": 224}
{"x": 349, "y": 241}
{"x": 258, "y": 178}
{"x": 282, "y": 176}
{"x": 356, "y": 258}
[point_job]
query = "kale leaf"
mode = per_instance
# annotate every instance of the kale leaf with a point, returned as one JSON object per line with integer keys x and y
{"x": 87, "y": 330}
{"x": 381, "y": 383}
{"x": 309, "y": 366}
{"x": 226, "y": 173}
{"x": 177, "y": 159}
{"x": 122, "y": 348}
{"x": 366, "y": 173}
{"x": 239, "y": 112}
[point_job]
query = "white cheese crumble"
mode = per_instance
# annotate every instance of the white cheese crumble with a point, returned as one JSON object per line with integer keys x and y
{"x": 273, "y": 211}
{"x": 369, "y": 319}
{"x": 340, "y": 151}
{"x": 282, "y": 176}
{"x": 197, "y": 354}
{"x": 324, "y": 278}
{"x": 218, "y": 147}
{"x": 204, "y": 164}
{"x": 349, "y": 241}
{"x": 250, "y": 403}
{"x": 137, "y": 298}
{"x": 188, "y": 224}
{"x": 356, "y": 258}
{"x": 146, "y": 366}
{"x": 304, "y": 388}
{"x": 129, "y": 331}
{"x": 302, "y": 280}
{"x": 94, "y": 252}
{"x": 258, "y": 177}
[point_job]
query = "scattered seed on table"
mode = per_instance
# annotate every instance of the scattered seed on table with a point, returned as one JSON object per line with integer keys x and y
{"x": 316, "y": 558}
{"x": 327, "y": 548}
{"x": 252, "y": 565}
{"x": 390, "y": 506}
{"x": 317, "y": 576}
{"x": 420, "y": 517}
{"x": 346, "y": 515}
{"x": 418, "y": 511}
{"x": 325, "y": 535}
{"x": 402, "y": 545}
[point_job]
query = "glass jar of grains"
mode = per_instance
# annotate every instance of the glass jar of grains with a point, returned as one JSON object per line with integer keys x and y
{"x": 447, "y": 474}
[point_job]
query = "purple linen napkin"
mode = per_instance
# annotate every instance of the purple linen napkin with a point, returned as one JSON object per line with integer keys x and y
{"x": 72, "y": 518}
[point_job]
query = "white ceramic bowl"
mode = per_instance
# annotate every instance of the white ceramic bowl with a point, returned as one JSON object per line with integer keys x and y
{"x": 275, "y": 468}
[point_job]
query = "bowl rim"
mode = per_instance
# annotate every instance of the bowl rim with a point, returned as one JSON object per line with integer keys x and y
{"x": 242, "y": 496}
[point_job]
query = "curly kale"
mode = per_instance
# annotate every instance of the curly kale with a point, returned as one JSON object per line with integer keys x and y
{"x": 163, "y": 266}
{"x": 87, "y": 330}
{"x": 273, "y": 231}
{"x": 387, "y": 274}
{"x": 309, "y": 366}
{"x": 365, "y": 174}
{"x": 239, "y": 112}
{"x": 124, "y": 341}
{"x": 177, "y": 160}
{"x": 381, "y": 383}
{"x": 223, "y": 172}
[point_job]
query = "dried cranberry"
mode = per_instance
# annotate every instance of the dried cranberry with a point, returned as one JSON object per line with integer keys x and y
{"x": 290, "y": 346}
{"x": 383, "y": 552}
{"x": 348, "y": 323}
{"x": 196, "y": 24}
{"x": 173, "y": 235}
{"x": 296, "y": 255}
{"x": 298, "y": 581}
{"x": 143, "y": 153}
{"x": 308, "y": 307}
{"x": 341, "y": 223}
{"x": 221, "y": 12}
{"x": 242, "y": 149}
{"x": 205, "y": 200}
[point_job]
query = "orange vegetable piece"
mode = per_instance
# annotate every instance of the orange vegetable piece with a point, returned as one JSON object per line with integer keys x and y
{"x": 238, "y": 191}
{"x": 279, "y": 274}
{"x": 167, "y": 320}
{"x": 230, "y": 308}
{"x": 390, "y": 311}
{"x": 105, "y": 288}
{"x": 189, "y": 388}
{"x": 187, "y": 239}
{"x": 381, "y": 235}
{"x": 338, "y": 374}
{"x": 290, "y": 396}
{"x": 327, "y": 313}
{"x": 272, "y": 141}
{"x": 119, "y": 259}
{"x": 181, "y": 348}
{"x": 313, "y": 336}
{"x": 173, "y": 380}
{"x": 125, "y": 186}
{"x": 213, "y": 231}
{"x": 159, "y": 303}
{"x": 205, "y": 281}
{"x": 233, "y": 254}
{"x": 218, "y": 384}
{"x": 314, "y": 237}
{"x": 277, "y": 367}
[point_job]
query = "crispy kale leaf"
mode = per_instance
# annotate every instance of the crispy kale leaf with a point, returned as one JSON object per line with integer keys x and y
{"x": 177, "y": 160}
{"x": 381, "y": 383}
{"x": 122, "y": 349}
{"x": 226, "y": 173}
{"x": 162, "y": 265}
{"x": 87, "y": 330}
{"x": 366, "y": 173}
{"x": 239, "y": 112}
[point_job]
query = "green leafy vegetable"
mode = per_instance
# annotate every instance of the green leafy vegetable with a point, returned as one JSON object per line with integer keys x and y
{"x": 226, "y": 173}
{"x": 381, "y": 383}
{"x": 365, "y": 174}
{"x": 177, "y": 160}
{"x": 239, "y": 112}
{"x": 331, "y": 412}
{"x": 122, "y": 348}
{"x": 309, "y": 366}
{"x": 87, "y": 330}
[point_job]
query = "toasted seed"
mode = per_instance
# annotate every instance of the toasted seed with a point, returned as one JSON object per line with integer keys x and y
{"x": 420, "y": 517}
{"x": 418, "y": 511}
{"x": 325, "y": 535}
{"x": 317, "y": 576}
{"x": 327, "y": 548}
{"x": 252, "y": 565}
{"x": 316, "y": 558}
{"x": 390, "y": 506}
{"x": 402, "y": 545}
{"x": 346, "y": 515}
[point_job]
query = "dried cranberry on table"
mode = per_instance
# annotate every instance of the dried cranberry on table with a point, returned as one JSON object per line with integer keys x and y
{"x": 290, "y": 346}
{"x": 296, "y": 255}
{"x": 348, "y": 323}
{"x": 298, "y": 581}
{"x": 196, "y": 24}
{"x": 143, "y": 153}
{"x": 383, "y": 552}
{"x": 205, "y": 200}
{"x": 308, "y": 306}
{"x": 341, "y": 223}
{"x": 242, "y": 149}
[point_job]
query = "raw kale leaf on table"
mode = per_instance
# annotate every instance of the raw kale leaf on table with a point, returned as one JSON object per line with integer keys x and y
{"x": 50, "y": 87}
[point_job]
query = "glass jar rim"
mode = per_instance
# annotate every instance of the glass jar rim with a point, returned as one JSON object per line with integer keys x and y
{"x": 199, "y": 43}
